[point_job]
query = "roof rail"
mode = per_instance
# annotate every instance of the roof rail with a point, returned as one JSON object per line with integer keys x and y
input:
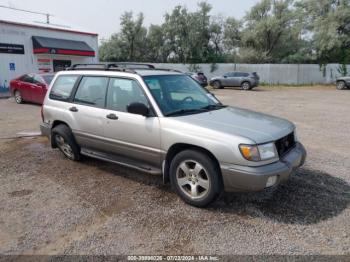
{"x": 119, "y": 66}
{"x": 87, "y": 67}
{"x": 104, "y": 67}
{"x": 133, "y": 65}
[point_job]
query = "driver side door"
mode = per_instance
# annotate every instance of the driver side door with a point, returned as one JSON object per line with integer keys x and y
{"x": 130, "y": 135}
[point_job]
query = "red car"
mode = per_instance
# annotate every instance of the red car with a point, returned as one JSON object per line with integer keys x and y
{"x": 30, "y": 87}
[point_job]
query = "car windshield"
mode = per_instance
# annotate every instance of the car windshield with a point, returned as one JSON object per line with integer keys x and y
{"x": 48, "y": 78}
{"x": 180, "y": 95}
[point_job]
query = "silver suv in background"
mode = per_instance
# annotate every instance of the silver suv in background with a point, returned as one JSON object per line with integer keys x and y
{"x": 244, "y": 80}
{"x": 163, "y": 122}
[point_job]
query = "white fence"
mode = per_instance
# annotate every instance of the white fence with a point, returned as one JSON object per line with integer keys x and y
{"x": 272, "y": 73}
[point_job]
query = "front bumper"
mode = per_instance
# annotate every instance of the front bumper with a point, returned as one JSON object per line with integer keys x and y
{"x": 244, "y": 178}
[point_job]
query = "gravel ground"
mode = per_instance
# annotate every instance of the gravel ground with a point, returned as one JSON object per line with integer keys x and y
{"x": 50, "y": 205}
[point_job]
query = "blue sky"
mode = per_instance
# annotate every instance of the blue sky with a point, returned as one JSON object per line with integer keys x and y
{"x": 102, "y": 16}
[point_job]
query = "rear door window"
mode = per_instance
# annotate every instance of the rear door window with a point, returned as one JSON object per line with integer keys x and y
{"x": 92, "y": 91}
{"x": 63, "y": 86}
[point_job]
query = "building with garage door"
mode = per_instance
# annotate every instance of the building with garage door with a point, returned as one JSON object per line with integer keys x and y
{"x": 33, "y": 43}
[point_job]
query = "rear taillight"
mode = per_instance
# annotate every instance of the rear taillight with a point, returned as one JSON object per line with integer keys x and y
{"x": 42, "y": 113}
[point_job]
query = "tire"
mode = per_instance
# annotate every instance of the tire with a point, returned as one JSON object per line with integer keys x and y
{"x": 217, "y": 85}
{"x": 246, "y": 86}
{"x": 341, "y": 85}
{"x": 64, "y": 140}
{"x": 18, "y": 97}
{"x": 195, "y": 177}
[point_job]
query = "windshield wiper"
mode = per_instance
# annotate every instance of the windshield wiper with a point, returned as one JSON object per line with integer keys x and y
{"x": 213, "y": 107}
{"x": 187, "y": 111}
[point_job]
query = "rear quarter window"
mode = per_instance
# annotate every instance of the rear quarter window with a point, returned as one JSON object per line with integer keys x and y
{"x": 62, "y": 87}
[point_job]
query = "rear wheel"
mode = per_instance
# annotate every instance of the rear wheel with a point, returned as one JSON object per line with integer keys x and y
{"x": 18, "y": 97}
{"x": 341, "y": 85}
{"x": 64, "y": 140}
{"x": 195, "y": 177}
{"x": 246, "y": 86}
{"x": 217, "y": 85}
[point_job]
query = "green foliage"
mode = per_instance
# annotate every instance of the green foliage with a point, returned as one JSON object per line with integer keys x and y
{"x": 342, "y": 70}
{"x": 273, "y": 31}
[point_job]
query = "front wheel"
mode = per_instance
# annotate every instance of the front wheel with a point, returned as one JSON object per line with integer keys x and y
{"x": 195, "y": 177}
{"x": 341, "y": 85}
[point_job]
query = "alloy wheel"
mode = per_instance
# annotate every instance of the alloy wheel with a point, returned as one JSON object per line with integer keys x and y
{"x": 192, "y": 179}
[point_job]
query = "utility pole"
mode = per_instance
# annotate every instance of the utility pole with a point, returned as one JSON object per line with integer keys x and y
{"x": 28, "y": 11}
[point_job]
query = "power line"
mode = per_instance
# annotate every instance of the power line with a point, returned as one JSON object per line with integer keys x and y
{"x": 28, "y": 11}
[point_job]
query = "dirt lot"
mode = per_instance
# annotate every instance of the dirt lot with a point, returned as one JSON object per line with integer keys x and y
{"x": 50, "y": 205}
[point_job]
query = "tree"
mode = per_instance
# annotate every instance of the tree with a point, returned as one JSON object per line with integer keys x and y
{"x": 273, "y": 31}
{"x": 112, "y": 50}
{"x": 129, "y": 44}
{"x": 268, "y": 28}
{"x": 216, "y": 36}
{"x": 133, "y": 35}
{"x": 328, "y": 21}
{"x": 156, "y": 48}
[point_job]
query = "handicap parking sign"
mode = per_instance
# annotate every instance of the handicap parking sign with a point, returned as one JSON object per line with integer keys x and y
{"x": 12, "y": 66}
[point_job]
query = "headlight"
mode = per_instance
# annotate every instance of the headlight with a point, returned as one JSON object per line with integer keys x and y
{"x": 258, "y": 152}
{"x": 250, "y": 152}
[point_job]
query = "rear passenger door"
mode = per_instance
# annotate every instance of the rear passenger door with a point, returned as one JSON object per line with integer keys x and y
{"x": 130, "y": 135}
{"x": 88, "y": 111}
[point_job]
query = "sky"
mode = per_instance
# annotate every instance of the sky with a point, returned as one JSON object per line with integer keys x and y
{"x": 102, "y": 16}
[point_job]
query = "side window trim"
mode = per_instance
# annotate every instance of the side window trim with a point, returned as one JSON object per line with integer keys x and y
{"x": 75, "y": 88}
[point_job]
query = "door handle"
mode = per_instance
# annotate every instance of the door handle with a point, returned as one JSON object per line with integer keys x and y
{"x": 112, "y": 116}
{"x": 73, "y": 109}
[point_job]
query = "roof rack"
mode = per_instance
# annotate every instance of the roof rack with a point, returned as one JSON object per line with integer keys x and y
{"x": 119, "y": 66}
{"x": 133, "y": 65}
{"x": 104, "y": 67}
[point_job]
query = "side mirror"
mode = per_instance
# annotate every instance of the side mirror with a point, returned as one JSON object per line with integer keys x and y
{"x": 225, "y": 76}
{"x": 138, "y": 109}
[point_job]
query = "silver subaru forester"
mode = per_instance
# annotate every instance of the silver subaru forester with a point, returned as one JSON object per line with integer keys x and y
{"x": 163, "y": 122}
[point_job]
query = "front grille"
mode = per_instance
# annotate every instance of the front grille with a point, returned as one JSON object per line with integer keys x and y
{"x": 284, "y": 144}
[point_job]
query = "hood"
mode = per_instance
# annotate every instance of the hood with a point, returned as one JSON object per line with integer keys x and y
{"x": 260, "y": 128}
